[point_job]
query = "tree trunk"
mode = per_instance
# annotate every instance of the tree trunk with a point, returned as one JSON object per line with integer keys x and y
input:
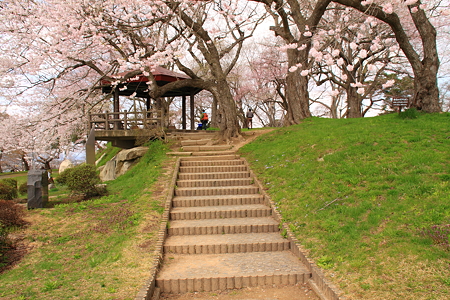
{"x": 26, "y": 166}
{"x": 214, "y": 113}
{"x": 297, "y": 94}
{"x": 353, "y": 103}
{"x": 426, "y": 97}
{"x": 229, "y": 124}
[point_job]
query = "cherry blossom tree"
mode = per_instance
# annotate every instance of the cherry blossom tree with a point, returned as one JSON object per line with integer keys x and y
{"x": 352, "y": 58}
{"x": 64, "y": 48}
{"x": 296, "y": 22}
{"x": 266, "y": 76}
{"x": 416, "y": 36}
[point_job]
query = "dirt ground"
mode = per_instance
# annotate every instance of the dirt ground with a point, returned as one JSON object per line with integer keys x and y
{"x": 298, "y": 292}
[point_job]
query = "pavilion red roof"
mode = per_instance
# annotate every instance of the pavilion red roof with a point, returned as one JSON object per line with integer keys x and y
{"x": 161, "y": 75}
{"x": 137, "y": 84}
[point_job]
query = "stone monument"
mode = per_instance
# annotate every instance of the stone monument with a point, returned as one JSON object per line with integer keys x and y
{"x": 37, "y": 185}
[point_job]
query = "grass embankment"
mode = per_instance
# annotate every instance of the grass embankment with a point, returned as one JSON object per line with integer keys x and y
{"x": 97, "y": 249}
{"x": 358, "y": 194}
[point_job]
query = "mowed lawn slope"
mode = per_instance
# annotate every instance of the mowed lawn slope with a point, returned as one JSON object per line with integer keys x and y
{"x": 369, "y": 198}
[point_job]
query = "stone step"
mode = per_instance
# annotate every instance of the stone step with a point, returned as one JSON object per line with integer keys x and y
{"x": 217, "y": 200}
{"x": 211, "y": 272}
{"x": 211, "y": 153}
{"x": 222, "y": 226}
{"x": 211, "y": 191}
{"x": 214, "y": 182}
{"x": 213, "y": 169}
{"x": 207, "y": 148}
{"x": 220, "y": 212}
{"x": 192, "y": 135}
{"x": 179, "y": 153}
{"x": 207, "y": 162}
{"x": 225, "y": 243}
{"x": 209, "y": 157}
{"x": 195, "y": 142}
{"x": 206, "y": 176}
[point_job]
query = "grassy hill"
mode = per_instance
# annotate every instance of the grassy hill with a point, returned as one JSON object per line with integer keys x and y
{"x": 369, "y": 198}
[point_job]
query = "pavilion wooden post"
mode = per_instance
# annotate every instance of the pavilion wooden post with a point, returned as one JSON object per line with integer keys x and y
{"x": 148, "y": 102}
{"x": 183, "y": 112}
{"x": 116, "y": 107}
{"x": 192, "y": 112}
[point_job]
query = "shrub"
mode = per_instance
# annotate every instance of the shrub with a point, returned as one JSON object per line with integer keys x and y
{"x": 23, "y": 189}
{"x": 81, "y": 179}
{"x": 7, "y": 192}
{"x": 11, "y": 215}
{"x": 10, "y": 181}
{"x": 410, "y": 113}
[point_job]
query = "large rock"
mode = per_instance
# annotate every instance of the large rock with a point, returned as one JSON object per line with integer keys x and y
{"x": 66, "y": 164}
{"x": 127, "y": 158}
{"x": 131, "y": 154}
{"x": 121, "y": 163}
{"x": 108, "y": 171}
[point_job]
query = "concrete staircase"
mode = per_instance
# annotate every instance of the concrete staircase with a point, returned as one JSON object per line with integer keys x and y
{"x": 221, "y": 234}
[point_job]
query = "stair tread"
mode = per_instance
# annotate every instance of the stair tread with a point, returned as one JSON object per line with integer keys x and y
{"x": 216, "y": 187}
{"x": 215, "y": 182}
{"x": 209, "y": 157}
{"x": 216, "y": 173}
{"x": 222, "y": 222}
{"x": 205, "y": 153}
{"x": 179, "y": 266}
{"x": 215, "y": 162}
{"x": 178, "y": 198}
{"x": 219, "y": 208}
{"x": 240, "y": 238}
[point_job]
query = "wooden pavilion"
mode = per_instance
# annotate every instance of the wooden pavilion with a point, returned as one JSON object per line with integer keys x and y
{"x": 120, "y": 127}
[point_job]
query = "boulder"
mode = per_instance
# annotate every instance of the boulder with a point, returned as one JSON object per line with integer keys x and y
{"x": 131, "y": 154}
{"x": 121, "y": 163}
{"x": 127, "y": 158}
{"x": 66, "y": 164}
{"x": 108, "y": 171}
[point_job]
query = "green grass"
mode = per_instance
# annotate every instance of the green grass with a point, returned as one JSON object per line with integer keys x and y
{"x": 96, "y": 249}
{"x": 358, "y": 192}
{"x": 106, "y": 154}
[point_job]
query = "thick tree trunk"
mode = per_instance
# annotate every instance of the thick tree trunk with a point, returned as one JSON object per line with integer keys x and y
{"x": 426, "y": 88}
{"x": 353, "y": 104}
{"x": 214, "y": 113}
{"x": 426, "y": 97}
{"x": 229, "y": 124}
{"x": 297, "y": 94}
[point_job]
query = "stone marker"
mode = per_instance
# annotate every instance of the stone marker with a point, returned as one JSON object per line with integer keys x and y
{"x": 37, "y": 185}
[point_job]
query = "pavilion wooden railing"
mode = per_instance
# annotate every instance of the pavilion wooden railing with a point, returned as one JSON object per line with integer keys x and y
{"x": 126, "y": 120}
